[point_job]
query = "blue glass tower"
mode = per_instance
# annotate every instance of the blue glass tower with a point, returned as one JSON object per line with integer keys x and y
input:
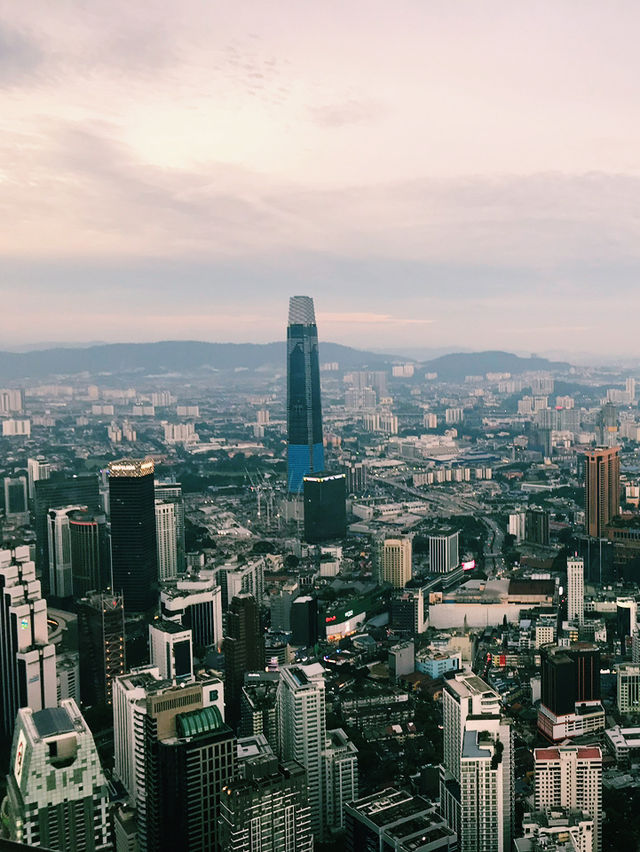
{"x": 304, "y": 411}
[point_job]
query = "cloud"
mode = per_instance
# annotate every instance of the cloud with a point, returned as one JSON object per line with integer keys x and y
{"x": 21, "y": 56}
{"x": 352, "y": 111}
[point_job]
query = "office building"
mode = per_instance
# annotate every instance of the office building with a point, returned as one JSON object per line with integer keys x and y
{"x": 90, "y": 552}
{"x": 133, "y": 533}
{"x": 281, "y": 606}
{"x": 37, "y": 469}
{"x": 396, "y": 562}
{"x": 57, "y": 795}
{"x": 195, "y": 603}
{"x": 301, "y": 713}
{"x": 601, "y": 488}
{"x": 16, "y": 506}
{"x": 536, "y": 526}
{"x": 407, "y": 612}
{"x": 569, "y": 776}
{"x": 59, "y": 547}
{"x": 54, "y": 493}
{"x": 402, "y": 659}
{"x": 443, "y": 552}
{"x": 570, "y": 702}
{"x": 398, "y": 820}
{"x": 325, "y": 513}
{"x": 27, "y": 658}
{"x": 172, "y": 491}
{"x": 628, "y": 688}
{"x": 575, "y": 589}
{"x": 171, "y": 650}
{"x": 102, "y": 646}
{"x": 305, "y": 452}
{"x": 626, "y": 620}
{"x": 476, "y": 777}
{"x": 242, "y": 579}
{"x": 259, "y": 706}
{"x": 304, "y": 621}
{"x": 356, "y": 473}
{"x": 266, "y": 806}
{"x": 166, "y": 539}
{"x": 145, "y": 708}
{"x": 186, "y": 771}
{"x": 243, "y": 651}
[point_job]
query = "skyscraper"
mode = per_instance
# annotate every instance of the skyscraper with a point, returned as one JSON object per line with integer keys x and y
{"x": 396, "y": 562}
{"x": 60, "y": 563}
{"x": 102, "y": 646}
{"x": 16, "y": 507}
{"x": 90, "y": 552}
{"x": 133, "y": 533}
{"x": 27, "y": 659}
{"x": 443, "y": 552}
{"x": 601, "y": 488}
{"x": 325, "y": 513}
{"x": 166, "y": 539}
{"x": 570, "y": 776}
{"x": 575, "y": 589}
{"x": 570, "y": 682}
{"x": 243, "y": 651}
{"x": 37, "y": 469}
{"x": 305, "y": 452}
{"x": 476, "y": 778}
{"x": 172, "y": 491}
{"x": 171, "y": 650}
{"x": 57, "y": 795}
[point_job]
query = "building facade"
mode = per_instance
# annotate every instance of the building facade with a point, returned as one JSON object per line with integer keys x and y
{"x": 601, "y": 488}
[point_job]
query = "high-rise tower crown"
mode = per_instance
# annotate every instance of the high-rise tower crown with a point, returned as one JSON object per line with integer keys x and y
{"x": 301, "y": 311}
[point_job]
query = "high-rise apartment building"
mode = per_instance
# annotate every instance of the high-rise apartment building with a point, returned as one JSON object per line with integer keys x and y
{"x": 443, "y": 552}
{"x": 569, "y": 776}
{"x": 27, "y": 658}
{"x": 133, "y": 533}
{"x": 476, "y": 778}
{"x": 57, "y": 795}
{"x": 259, "y": 706}
{"x": 305, "y": 452}
{"x": 570, "y": 681}
{"x": 628, "y": 688}
{"x": 166, "y": 539}
{"x": 575, "y": 589}
{"x": 325, "y": 513}
{"x": 395, "y": 561}
{"x": 601, "y": 488}
{"x": 243, "y": 651}
{"x": 301, "y": 711}
{"x": 340, "y": 764}
{"x": 90, "y": 552}
{"x": 102, "y": 646}
{"x": 172, "y": 491}
{"x": 266, "y": 806}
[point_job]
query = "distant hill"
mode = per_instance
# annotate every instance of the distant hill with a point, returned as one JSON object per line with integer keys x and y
{"x": 455, "y": 367}
{"x": 169, "y": 356}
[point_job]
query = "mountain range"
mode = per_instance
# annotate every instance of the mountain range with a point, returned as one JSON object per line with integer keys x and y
{"x": 179, "y": 356}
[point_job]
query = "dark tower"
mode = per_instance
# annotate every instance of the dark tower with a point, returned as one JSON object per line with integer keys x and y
{"x": 243, "y": 651}
{"x": 90, "y": 552}
{"x": 102, "y": 646}
{"x": 325, "y": 513}
{"x": 304, "y": 413}
{"x": 133, "y": 533}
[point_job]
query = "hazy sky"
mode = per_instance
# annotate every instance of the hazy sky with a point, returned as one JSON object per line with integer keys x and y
{"x": 430, "y": 172}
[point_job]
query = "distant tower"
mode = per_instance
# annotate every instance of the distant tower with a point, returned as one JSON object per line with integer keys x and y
{"x": 102, "y": 646}
{"x": 172, "y": 491}
{"x": 304, "y": 412}
{"x": 16, "y": 507}
{"x": 133, "y": 533}
{"x": 575, "y": 589}
{"x": 60, "y": 563}
{"x": 601, "y": 488}
{"x": 90, "y": 552}
{"x": 166, "y": 539}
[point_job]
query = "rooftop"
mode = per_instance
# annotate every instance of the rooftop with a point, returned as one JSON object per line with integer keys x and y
{"x": 52, "y": 722}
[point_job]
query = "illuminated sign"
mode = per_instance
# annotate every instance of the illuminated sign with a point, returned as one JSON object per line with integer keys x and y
{"x": 17, "y": 769}
{"x": 469, "y": 566}
{"x": 330, "y": 618}
{"x": 348, "y": 614}
{"x": 24, "y": 624}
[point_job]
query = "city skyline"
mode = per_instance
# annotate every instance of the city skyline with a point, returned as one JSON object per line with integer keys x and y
{"x": 216, "y": 162}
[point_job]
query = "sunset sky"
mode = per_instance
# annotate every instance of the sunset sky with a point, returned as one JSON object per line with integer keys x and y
{"x": 432, "y": 173}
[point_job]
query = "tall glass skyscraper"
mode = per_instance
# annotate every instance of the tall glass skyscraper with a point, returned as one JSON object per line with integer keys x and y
{"x": 304, "y": 411}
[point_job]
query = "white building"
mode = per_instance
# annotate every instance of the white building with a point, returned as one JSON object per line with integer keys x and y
{"x": 395, "y": 561}
{"x": 443, "y": 552}
{"x": 171, "y": 650}
{"x": 57, "y": 795}
{"x": 195, "y": 603}
{"x": 37, "y": 469}
{"x": 517, "y": 526}
{"x": 13, "y": 428}
{"x": 628, "y": 692}
{"x": 166, "y": 539}
{"x": 28, "y": 660}
{"x": 575, "y": 589}
{"x": 180, "y": 433}
{"x": 570, "y": 777}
